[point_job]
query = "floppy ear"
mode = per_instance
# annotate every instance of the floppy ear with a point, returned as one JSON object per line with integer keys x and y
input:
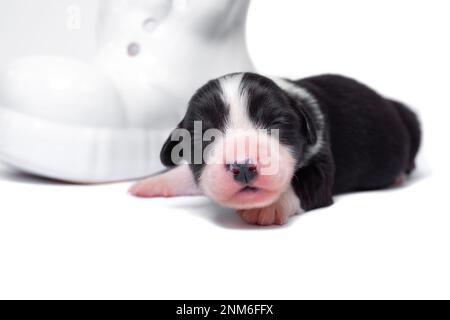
{"x": 166, "y": 151}
{"x": 309, "y": 127}
{"x": 307, "y": 122}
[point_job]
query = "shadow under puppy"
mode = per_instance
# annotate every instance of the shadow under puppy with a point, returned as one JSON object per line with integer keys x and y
{"x": 272, "y": 148}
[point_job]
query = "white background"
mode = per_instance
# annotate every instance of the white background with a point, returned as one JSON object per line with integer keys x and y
{"x": 65, "y": 241}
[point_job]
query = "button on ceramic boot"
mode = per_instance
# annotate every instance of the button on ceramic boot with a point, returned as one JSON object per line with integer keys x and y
{"x": 107, "y": 120}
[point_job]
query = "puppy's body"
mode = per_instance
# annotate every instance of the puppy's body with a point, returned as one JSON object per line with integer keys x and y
{"x": 335, "y": 136}
{"x": 369, "y": 141}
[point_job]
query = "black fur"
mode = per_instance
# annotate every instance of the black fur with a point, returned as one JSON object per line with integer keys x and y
{"x": 270, "y": 107}
{"x": 207, "y": 106}
{"x": 373, "y": 140}
{"x": 368, "y": 141}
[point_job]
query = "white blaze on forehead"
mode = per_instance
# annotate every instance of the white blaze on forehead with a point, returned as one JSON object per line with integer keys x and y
{"x": 236, "y": 99}
{"x": 241, "y": 141}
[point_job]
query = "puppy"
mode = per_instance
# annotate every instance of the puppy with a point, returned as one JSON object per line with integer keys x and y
{"x": 273, "y": 148}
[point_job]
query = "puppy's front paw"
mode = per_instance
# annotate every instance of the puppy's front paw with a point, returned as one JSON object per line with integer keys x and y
{"x": 173, "y": 183}
{"x": 272, "y": 215}
{"x": 276, "y": 214}
{"x": 150, "y": 189}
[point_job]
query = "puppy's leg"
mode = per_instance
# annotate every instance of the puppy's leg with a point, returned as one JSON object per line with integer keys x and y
{"x": 275, "y": 214}
{"x": 174, "y": 183}
{"x": 314, "y": 183}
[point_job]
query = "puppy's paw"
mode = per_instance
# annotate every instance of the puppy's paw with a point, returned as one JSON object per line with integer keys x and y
{"x": 272, "y": 215}
{"x": 276, "y": 214}
{"x": 150, "y": 189}
{"x": 173, "y": 183}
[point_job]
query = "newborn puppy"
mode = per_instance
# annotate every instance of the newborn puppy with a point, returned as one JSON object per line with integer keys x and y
{"x": 273, "y": 148}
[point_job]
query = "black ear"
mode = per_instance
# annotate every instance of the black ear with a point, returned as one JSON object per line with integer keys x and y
{"x": 309, "y": 126}
{"x": 166, "y": 151}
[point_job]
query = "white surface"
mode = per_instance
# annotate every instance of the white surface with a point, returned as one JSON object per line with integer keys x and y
{"x": 63, "y": 241}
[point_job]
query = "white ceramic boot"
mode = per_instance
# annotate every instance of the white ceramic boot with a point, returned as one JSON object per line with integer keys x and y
{"x": 106, "y": 121}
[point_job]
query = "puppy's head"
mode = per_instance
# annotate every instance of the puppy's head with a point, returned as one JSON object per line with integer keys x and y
{"x": 243, "y": 137}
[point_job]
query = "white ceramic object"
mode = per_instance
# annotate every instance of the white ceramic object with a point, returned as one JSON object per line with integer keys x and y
{"x": 106, "y": 121}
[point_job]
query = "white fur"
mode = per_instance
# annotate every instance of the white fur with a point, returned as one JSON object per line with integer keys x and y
{"x": 277, "y": 213}
{"x": 313, "y": 105}
{"x": 290, "y": 202}
{"x": 237, "y": 100}
{"x": 238, "y": 124}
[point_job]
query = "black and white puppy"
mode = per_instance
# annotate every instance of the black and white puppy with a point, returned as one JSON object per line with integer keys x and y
{"x": 277, "y": 147}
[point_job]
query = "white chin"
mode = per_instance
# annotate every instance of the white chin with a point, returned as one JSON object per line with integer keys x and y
{"x": 250, "y": 199}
